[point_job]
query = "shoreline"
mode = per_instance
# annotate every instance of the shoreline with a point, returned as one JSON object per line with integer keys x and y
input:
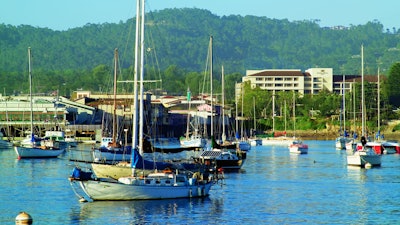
{"x": 326, "y": 135}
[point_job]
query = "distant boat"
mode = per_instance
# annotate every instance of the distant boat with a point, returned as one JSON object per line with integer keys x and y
{"x": 35, "y": 147}
{"x": 296, "y": 146}
{"x": 390, "y": 147}
{"x": 4, "y": 143}
{"x": 343, "y": 138}
{"x": 193, "y": 139}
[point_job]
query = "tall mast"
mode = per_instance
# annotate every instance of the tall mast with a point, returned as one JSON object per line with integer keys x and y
{"x": 115, "y": 98}
{"x": 135, "y": 80}
{"x": 379, "y": 106}
{"x": 273, "y": 111}
{"x": 30, "y": 91}
{"x": 211, "y": 84}
{"x": 344, "y": 104}
{"x": 141, "y": 117}
{"x": 362, "y": 93}
{"x": 223, "y": 105}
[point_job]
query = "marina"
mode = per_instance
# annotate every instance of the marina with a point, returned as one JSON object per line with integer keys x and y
{"x": 272, "y": 187}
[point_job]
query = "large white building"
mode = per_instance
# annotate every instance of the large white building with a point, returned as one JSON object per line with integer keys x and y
{"x": 312, "y": 81}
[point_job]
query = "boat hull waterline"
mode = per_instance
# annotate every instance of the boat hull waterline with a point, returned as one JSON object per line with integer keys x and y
{"x": 102, "y": 190}
{"x": 24, "y": 152}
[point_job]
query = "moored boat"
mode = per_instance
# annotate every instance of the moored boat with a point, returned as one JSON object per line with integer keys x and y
{"x": 298, "y": 147}
{"x": 364, "y": 157}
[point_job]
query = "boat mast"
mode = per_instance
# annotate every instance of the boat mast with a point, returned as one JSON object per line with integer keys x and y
{"x": 211, "y": 84}
{"x": 115, "y": 99}
{"x": 188, "y": 115}
{"x": 254, "y": 112}
{"x": 362, "y": 93}
{"x": 379, "y": 107}
{"x": 223, "y": 105}
{"x": 136, "y": 142}
{"x": 141, "y": 109}
{"x": 294, "y": 114}
{"x": 344, "y": 105}
{"x": 236, "y": 110}
{"x": 30, "y": 92}
{"x": 273, "y": 111}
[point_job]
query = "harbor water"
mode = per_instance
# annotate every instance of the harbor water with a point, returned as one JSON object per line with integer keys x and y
{"x": 273, "y": 187}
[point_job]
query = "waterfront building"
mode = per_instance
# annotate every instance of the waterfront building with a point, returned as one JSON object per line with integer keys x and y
{"x": 311, "y": 81}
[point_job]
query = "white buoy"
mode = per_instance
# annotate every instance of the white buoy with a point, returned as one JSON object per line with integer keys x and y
{"x": 368, "y": 165}
{"x": 23, "y": 218}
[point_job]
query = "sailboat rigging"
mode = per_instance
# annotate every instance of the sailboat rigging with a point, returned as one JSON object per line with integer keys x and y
{"x": 110, "y": 149}
{"x": 156, "y": 185}
{"x": 364, "y": 156}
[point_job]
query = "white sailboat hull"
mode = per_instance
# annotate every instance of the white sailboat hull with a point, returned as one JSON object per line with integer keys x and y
{"x": 28, "y": 152}
{"x": 101, "y": 190}
{"x": 363, "y": 157}
{"x": 193, "y": 142}
{"x": 277, "y": 141}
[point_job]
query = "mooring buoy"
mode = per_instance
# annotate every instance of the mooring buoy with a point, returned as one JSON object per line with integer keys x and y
{"x": 23, "y": 218}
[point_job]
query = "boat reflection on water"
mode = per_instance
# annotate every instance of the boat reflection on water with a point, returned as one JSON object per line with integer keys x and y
{"x": 140, "y": 212}
{"x": 357, "y": 173}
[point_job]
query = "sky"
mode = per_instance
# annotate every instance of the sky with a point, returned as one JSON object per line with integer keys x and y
{"x": 66, "y": 14}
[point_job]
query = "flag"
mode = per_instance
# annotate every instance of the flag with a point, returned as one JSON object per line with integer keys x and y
{"x": 188, "y": 95}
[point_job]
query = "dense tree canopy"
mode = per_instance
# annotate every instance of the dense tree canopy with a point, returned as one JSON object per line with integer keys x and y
{"x": 176, "y": 48}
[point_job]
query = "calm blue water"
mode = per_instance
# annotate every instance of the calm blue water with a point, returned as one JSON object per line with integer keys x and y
{"x": 274, "y": 187}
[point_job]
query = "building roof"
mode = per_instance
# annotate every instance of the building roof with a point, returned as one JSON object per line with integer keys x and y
{"x": 290, "y": 73}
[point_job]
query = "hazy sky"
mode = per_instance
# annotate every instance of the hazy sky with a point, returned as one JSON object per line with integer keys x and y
{"x": 65, "y": 14}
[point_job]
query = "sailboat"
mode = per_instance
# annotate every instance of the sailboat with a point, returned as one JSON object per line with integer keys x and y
{"x": 296, "y": 146}
{"x": 157, "y": 185}
{"x": 277, "y": 138}
{"x": 254, "y": 140}
{"x": 35, "y": 147}
{"x": 244, "y": 143}
{"x": 109, "y": 149}
{"x": 364, "y": 156}
{"x": 194, "y": 140}
{"x": 343, "y": 139}
{"x": 226, "y": 156}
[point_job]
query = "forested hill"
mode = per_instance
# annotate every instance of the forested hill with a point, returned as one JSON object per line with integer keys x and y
{"x": 180, "y": 37}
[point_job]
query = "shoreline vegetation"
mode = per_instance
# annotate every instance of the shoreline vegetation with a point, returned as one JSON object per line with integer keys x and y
{"x": 332, "y": 135}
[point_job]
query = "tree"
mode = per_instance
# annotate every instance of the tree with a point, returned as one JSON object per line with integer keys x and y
{"x": 393, "y": 91}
